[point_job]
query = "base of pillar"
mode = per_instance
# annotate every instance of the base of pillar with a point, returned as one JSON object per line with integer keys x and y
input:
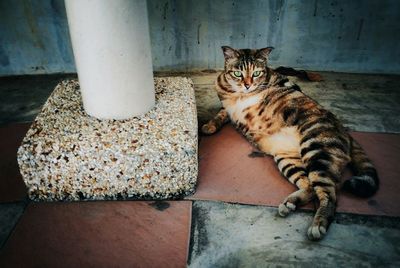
{"x": 69, "y": 155}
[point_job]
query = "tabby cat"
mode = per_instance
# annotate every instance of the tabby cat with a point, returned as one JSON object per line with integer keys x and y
{"x": 308, "y": 143}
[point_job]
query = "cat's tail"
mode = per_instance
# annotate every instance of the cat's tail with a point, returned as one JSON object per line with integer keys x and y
{"x": 304, "y": 75}
{"x": 365, "y": 182}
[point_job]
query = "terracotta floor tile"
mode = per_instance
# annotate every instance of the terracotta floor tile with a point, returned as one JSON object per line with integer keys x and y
{"x": 12, "y": 187}
{"x": 227, "y": 173}
{"x": 100, "y": 234}
{"x": 384, "y": 151}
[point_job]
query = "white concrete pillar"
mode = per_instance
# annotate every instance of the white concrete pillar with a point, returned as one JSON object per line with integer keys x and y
{"x": 111, "y": 44}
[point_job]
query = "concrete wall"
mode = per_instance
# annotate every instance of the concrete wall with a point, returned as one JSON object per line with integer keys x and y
{"x": 34, "y": 37}
{"x": 336, "y": 35}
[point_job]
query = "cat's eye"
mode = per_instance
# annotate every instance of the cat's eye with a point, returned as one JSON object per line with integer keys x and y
{"x": 237, "y": 73}
{"x": 256, "y": 73}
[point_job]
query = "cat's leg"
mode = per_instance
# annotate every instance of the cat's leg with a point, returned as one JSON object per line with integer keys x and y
{"x": 216, "y": 123}
{"x": 324, "y": 171}
{"x": 292, "y": 167}
{"x": 326, "y": 194}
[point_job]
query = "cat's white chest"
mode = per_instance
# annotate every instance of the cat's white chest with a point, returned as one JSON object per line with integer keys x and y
{"x": 236, "y": 109}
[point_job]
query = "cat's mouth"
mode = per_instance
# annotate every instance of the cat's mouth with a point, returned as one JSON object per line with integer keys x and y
{"x": 248, "y": 89}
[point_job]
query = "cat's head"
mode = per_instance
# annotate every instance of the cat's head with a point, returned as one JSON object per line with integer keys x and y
{"x": 246, "y": 69}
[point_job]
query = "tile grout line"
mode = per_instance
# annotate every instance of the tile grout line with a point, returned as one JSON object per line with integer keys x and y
{"x": 189, "y": 238}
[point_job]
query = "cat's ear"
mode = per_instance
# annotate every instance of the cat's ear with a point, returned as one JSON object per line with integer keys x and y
{"x": 263, "y": 53}
{"x": 230, "y": 53}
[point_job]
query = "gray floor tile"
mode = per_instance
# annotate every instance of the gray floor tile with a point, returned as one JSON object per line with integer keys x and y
{"x": 22, "y": 97}
{"x": 9, "y": 216}
{"x": 363, "y": 102}
{"x": 231, "y": 235}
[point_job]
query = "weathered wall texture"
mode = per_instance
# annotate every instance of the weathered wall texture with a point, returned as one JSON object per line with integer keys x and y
{"x": 336, "y": 35}
{"x": 34, "y": 37}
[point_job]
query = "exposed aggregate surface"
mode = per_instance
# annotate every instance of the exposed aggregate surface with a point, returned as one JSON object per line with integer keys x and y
{"x": 69, "y": 155}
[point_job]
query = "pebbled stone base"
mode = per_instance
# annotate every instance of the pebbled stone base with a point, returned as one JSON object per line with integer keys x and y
{"x": 69, "y": 155}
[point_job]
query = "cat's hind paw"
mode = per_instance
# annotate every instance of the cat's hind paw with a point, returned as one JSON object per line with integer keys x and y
{"x": 285, "y": 208}
{"x": 316, "y": 232}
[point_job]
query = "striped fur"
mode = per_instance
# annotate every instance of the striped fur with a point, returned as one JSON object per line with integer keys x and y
{"x": 309, "y": 144}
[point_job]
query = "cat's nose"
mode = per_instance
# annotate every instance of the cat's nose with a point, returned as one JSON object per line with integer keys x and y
{"x": 247, "y": 86}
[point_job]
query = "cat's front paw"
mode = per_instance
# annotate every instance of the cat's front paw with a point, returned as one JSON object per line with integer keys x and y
{"x": 208, "y": 129}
